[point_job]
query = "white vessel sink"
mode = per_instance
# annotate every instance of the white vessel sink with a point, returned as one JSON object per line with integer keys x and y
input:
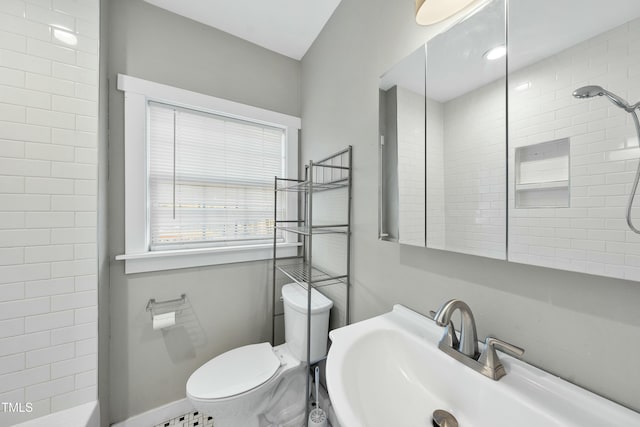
{"x": 388, "y": 371}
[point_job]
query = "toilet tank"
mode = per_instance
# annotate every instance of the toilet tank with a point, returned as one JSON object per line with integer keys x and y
{"x": 295, "y": 301}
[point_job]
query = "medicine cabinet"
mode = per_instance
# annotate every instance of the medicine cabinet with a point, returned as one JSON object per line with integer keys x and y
{"x": 511, "y": 154}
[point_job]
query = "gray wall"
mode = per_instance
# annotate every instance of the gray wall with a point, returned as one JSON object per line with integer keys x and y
{"x": 228, "y": 305}
{"x": 583, "y": 328}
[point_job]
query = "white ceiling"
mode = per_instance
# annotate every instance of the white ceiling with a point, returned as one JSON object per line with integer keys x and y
{"x": 288, "y": 27}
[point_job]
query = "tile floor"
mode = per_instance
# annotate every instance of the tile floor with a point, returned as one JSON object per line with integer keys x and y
{"x": 194, "y": 419}
{"x": 191, "y": 419}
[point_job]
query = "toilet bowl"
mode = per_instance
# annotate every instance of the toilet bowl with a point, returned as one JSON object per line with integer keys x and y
{"x": 259, "y": 385}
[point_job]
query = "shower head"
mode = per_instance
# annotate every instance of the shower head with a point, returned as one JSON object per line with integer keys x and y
{"x": 593, "y": 91}
{"x": 588, "y": 92}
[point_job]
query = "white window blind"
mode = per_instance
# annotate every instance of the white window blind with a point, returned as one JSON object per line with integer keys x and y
{"x": 211, "y": 179}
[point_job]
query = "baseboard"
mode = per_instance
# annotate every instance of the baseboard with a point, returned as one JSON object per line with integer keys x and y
{"x": 157, "y": 415}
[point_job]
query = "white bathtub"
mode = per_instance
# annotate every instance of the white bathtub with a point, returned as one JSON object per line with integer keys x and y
{"x": 85, "y": 415}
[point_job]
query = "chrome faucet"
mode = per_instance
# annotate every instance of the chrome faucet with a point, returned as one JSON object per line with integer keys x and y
{"x": 468, "y": 343}
{"x": 465, "y": 349}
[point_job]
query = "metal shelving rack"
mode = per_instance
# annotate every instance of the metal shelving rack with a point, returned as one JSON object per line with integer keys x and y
{"x": 331, "y": 173}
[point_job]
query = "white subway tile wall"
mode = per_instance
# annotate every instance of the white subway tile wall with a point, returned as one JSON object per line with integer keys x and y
{"x": 591, "y": 235}
{"x": 435, "y": 176}
{"x": 466, "y": 156}
{"x": 474, "y": 173}
{"x": 411, "y": 177}
{"x": 48, "y": 170}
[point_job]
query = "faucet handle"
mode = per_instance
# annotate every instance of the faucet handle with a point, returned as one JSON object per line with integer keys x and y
{"x": 513, "y": 350}
{"x": 489, "y": 357}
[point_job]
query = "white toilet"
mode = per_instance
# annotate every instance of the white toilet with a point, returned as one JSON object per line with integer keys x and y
{"x": 258, "y": 385}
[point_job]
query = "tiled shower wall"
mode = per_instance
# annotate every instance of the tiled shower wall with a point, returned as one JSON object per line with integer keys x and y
{"x": 474, "y": 173}
{"x": 435, "y": 176}
{"x": 48, "y": 170}
{"x": 411, "y": 154}
{"x": 466, "y": 173}
{"x": 591, "y": 234}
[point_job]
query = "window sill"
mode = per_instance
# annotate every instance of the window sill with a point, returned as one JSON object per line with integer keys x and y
{"x": 187, "y": 258}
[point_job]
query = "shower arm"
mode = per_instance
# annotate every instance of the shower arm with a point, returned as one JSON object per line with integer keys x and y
{"x": 632, "y": 195}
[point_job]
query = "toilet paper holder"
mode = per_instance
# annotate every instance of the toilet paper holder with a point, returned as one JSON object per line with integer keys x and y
{"x": 153, "y": 306}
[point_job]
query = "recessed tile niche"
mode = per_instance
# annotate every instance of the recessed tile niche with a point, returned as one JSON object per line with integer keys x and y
{"x": 542, "y": 175}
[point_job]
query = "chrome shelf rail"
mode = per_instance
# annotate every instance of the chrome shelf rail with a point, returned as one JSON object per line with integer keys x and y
{"x": 299, "y": 273}
{"x": 306, "y": 186}
{"x": 316, "y": 229}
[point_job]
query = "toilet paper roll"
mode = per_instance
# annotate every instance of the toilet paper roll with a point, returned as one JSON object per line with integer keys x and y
{"x": 164, "y": 320}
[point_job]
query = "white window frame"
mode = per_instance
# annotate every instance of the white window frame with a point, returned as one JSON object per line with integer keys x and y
{"x": 137, "y": 257}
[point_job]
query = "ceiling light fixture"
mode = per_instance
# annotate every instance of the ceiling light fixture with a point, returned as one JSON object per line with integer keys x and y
{"x": 65, "y": 37}
{"x": 496, "y": 52}
{"x": 433, "y": 11}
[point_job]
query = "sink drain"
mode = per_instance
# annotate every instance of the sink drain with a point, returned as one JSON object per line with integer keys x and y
{"x": 443, "y": 418}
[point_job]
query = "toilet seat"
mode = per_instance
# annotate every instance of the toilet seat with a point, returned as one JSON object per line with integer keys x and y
{"x": 234, "y": 372}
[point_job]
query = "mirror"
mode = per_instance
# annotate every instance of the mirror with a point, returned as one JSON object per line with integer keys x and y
{"x": 402, "y": 151}
{"x": 573, "y": 161}
{"x": 466, "y": 135}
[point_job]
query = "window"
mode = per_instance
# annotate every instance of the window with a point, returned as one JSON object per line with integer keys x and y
{"x": 210, "y": 179}
{"x": 199, "y": 176}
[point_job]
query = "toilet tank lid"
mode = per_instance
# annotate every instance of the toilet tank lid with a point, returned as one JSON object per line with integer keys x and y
{"x": 296, "y": 297}
{"x": 234, "y": 372}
